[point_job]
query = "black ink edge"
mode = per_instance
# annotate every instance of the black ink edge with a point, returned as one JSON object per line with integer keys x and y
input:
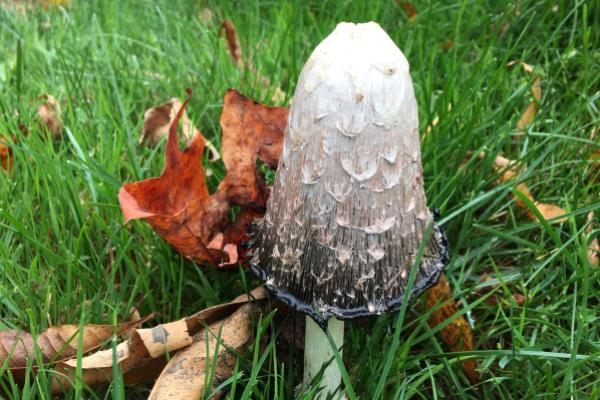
{"x": 321, "y": 318}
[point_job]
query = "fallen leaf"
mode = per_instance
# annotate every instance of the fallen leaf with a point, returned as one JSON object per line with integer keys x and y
{"x": 141, "y": 356}
{"x": 529, "y": 113}
{"x": 527, "y": 116}
{"x": 55, "y": 344}
{"x": 536, "y": 89}
{"x": 187, "y": 373}
{"x": 447, "y": 44}
{"x": 528, "y": 68}
{"x": 6, "y": 156}
{"x": 235, "y": 52}
{"x": 233, "y": 43}
{"x": 50, "y": 115}
{"x": 593, "y": 252}
{"x": 457, "y": 334}
{"x": 510, "y": 171}
{"x": 178, "y": 205}
{"x": 134, "y": 315}
{"x": 494, "y": 300}
{"x": 409, "y": 9}
{"x": 157, "y": 121}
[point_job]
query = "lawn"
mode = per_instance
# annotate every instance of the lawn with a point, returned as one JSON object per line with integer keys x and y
{"x": 527, "y": 287}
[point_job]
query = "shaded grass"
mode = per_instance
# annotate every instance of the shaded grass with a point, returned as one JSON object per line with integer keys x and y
{"x": 66, "y": 257}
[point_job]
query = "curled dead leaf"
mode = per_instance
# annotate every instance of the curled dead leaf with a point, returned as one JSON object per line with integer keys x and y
{"x": 6, "y": 156}
{"x": 233, "y": 43}
{"x": 409, "y": 9}
{"x": 447, "y": 44}
{"x": 510, "y": 171}
{"x": 178, "y": 205}
{"x": 526, "y": 67}
{"x": 55, "y": 344}
{"x": 494, "y": 300}
{"x": 142, "y": 356}
{"x": 527, "y": 116}
{"x": 530, "y": 111}
{"x": 157, "y": 121}
{"x": 457, "y": 334}
{"x": 235, "y": 52}
{"x": 50, "y": 115}
{"x": 189, "y": 370}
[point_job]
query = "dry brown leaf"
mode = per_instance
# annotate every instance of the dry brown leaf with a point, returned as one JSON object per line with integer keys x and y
{"x": 157, "y": 121}
{"x": 494, "y": 300}
{"x": 235, "y": 52}
{"x": 510, "y": 171}
{"x": 527, "y": 116}
{"x": 447, "y": 44}
{"x": 56, "y": 344}
{"x": 134, "y": 315}
{"x": 536, "y": 89}
{"x": 409, "y": 9}
{"x": 594, "y": 247}
{"x": 457, "y": 335}
{"x": 50, "y": 115}
{"x": 178, "y": 205}
{"x": 6, "y": 156}
{"x": 529, "y": 113}
{"x": 141, "y": 357}
{"x": 187, "y": 372}
{"x": 233, "y": 43}
{"x": 526, "y": 67}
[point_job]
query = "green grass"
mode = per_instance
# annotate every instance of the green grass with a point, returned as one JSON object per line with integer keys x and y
{"x": 65, "y": 256}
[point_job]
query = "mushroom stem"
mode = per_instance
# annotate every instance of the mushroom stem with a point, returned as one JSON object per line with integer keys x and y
{"x": 318, "y": 352}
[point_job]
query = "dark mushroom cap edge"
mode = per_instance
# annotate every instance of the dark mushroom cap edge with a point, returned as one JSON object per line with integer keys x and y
{"x": 321, "y": 318}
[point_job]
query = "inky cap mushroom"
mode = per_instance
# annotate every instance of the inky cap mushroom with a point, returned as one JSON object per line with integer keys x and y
{"x": 347, "y": 213}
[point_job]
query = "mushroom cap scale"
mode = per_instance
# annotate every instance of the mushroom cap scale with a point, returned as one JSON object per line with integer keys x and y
{"x": 347, "y": 213}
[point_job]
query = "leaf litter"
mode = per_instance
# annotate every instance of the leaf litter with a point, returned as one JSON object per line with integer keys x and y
{"x": 145, "y": 347}
{"x": 58, "y": 343}
{"x": 234, "y": 49}
{"x": 178, "y": 205}
{"x": 48, "y": 118}
{"x": 510, "y": 171}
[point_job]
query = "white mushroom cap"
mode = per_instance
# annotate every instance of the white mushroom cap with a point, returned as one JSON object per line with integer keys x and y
{"x": 348, "y": 212}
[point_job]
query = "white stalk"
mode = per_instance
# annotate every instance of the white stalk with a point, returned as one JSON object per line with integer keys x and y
{"x": 318, "y": 352}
